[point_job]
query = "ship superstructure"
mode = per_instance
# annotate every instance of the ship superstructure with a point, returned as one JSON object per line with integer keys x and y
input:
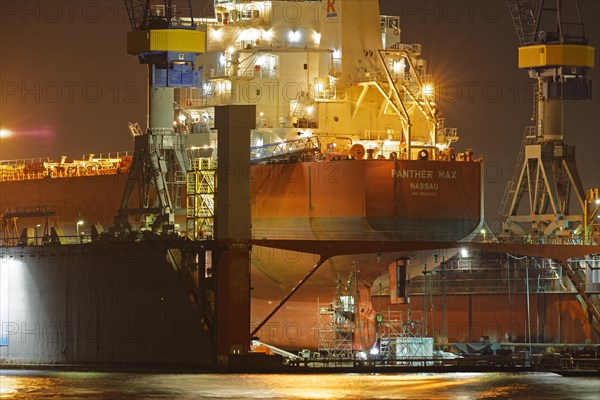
{"x": 309, "y": 74}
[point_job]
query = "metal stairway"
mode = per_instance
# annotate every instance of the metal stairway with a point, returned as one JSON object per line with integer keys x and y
{"x": 300, "y": 109}
{"x": 253, "y": 137}
{"x": 201, "y": 190}
{"x": 249, "y": 65}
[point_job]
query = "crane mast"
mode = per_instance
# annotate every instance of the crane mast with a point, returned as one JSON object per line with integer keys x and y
{"x": 168, "y": 43}
{"x": 554, "y": 50}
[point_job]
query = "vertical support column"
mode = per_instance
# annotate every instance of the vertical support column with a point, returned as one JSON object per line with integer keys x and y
{"x": 160, "y": 141}
{"x": 160, "y": 103}
{"x": 397, "y": 276}
{"x": 470, "y": 320}
{"x": 558, "y": 316}
{"x": 551, "y": 119}
{"x": 232, "y": 231}
{"x": 541, "y": 301}
{"x": 444, "y": 327}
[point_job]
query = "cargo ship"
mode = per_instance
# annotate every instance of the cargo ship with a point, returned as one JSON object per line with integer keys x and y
{"x": 349, "y": 145}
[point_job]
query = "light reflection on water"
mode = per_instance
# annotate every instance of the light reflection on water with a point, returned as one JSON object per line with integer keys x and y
{"x": 89, "y": 385}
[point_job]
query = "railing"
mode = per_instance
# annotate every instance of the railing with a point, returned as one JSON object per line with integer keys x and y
{"x": 528, "y": 239}
{"x": 397, "y": 363}
{"x": 407, "y": 236}
{"x": 215, "y": 98}
{"x": 219, "y": 72}
{"x": 285, "y": 149}
{"x": 21, "y": 176}
{"x": 22, "y": 169}
{"x": 265, "y": 122}
{"x": 110, "y": 155}
{"x": 40, "y": 240}
{"x": 23, "y": 161}
{"x": 579, "y": 363}
{"x": 26, "y": 161}
{"x": 404, "y": 236}
{"x": 39, "y": 168}
{"x": 414, "y": 49}
{"x": 381, "y": 135}
{"x": 370, "y": 76}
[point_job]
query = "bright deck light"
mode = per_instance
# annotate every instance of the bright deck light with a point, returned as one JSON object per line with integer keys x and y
{"x": 294, "y": 36}
{"x": 398, "y": 66}
{"x": 317, "y": 37}
{"x": 4, "y": 133}
{"x": 428, "y": 89}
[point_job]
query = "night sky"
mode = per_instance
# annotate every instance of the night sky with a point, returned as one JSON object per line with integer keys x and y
{"x": 69, "y": 88}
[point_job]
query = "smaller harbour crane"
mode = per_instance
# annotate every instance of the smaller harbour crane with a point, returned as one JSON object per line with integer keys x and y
{"x": 554, "y": 50}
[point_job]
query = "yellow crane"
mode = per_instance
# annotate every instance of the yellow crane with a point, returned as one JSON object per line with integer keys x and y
{"x": 554, "y": 50}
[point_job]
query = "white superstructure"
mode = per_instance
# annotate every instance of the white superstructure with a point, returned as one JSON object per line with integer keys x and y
{"x": 332, "y": 68}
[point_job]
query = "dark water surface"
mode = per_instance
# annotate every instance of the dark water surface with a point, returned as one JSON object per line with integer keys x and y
{"x": 28, "y": 384}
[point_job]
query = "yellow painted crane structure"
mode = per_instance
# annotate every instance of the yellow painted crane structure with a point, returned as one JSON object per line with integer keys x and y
{"x": 554, "y": 50}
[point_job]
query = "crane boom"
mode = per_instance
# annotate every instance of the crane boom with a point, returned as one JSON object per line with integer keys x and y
{"x": 523, "y": 15}
{"x": 155, "y": 14}
{"x": 138, "y": 12}
{"x": 547, "y": 21}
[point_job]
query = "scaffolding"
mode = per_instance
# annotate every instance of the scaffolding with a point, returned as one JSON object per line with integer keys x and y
{"x": 389, "y": 327}
{"x": 401, "y": 341}
{"x": 592, "y": 217}
{"x": 337, "y": 321}
{"x": 201, "y": 191}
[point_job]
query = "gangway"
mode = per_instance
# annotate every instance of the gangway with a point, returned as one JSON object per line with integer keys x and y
{"x": 285, "y": 149}
{"x": 276, "y": 350}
